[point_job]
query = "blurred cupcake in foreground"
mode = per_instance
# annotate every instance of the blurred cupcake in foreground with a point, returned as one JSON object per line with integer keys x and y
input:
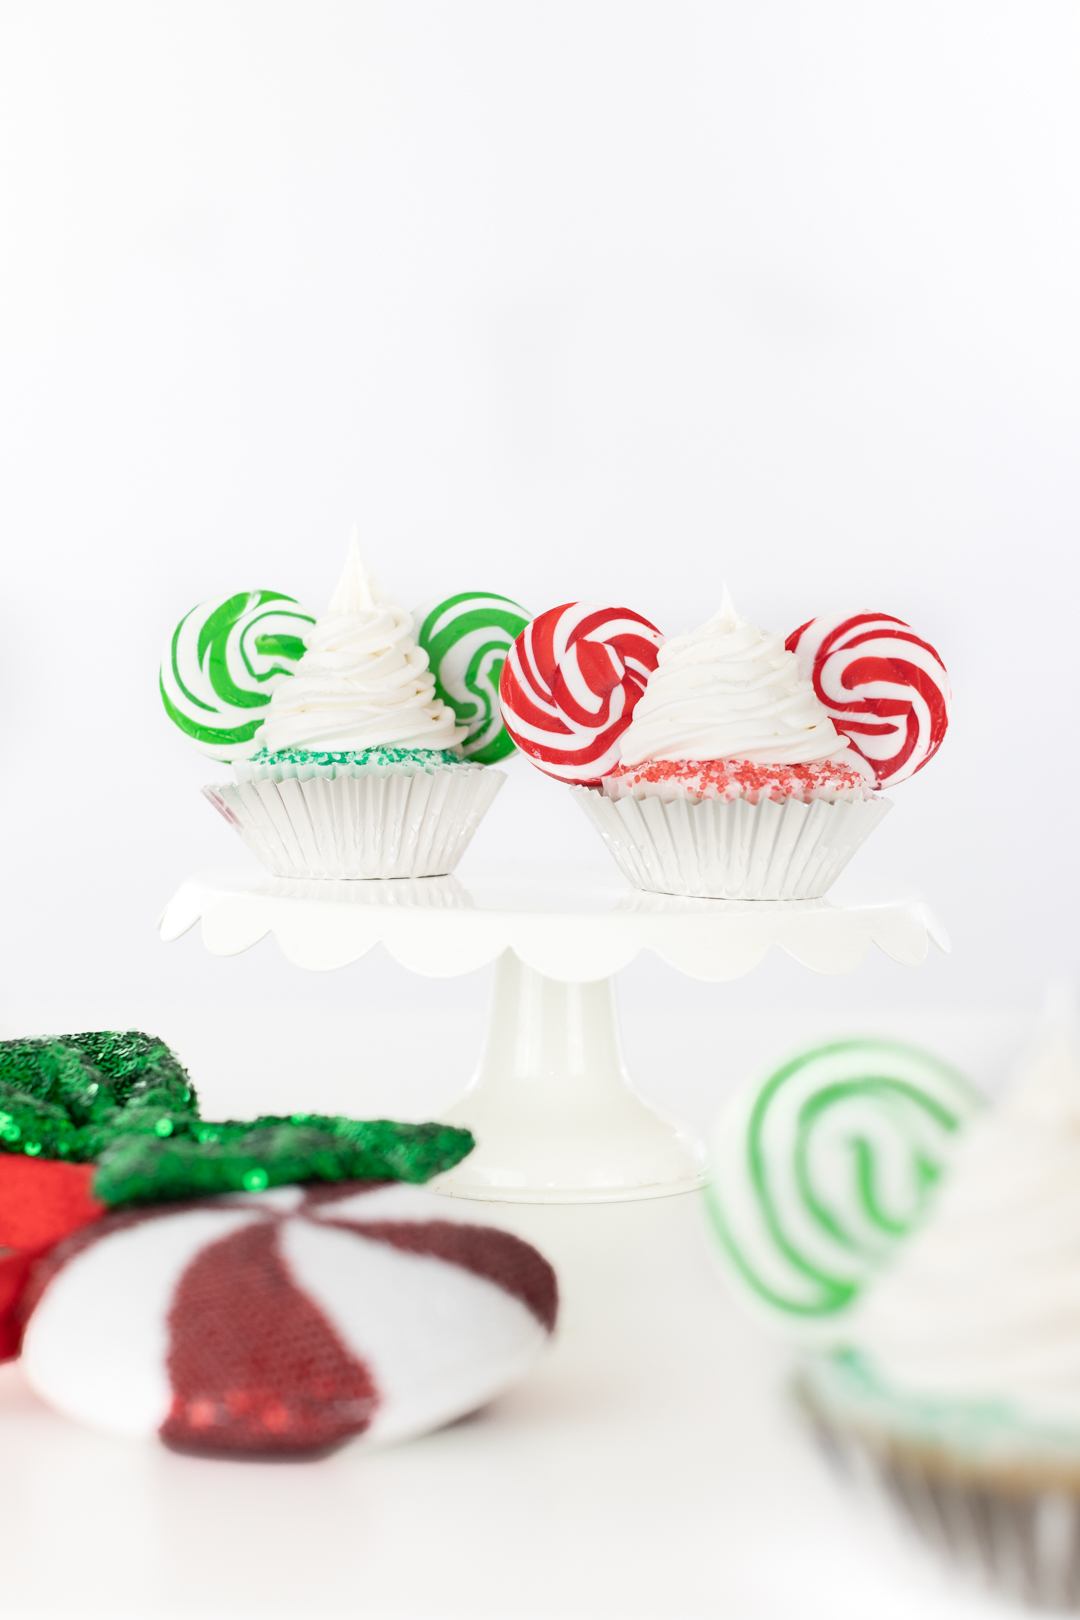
{"x": 726, "y": 763}
{"x": 956, "y": 1383}
{"x": 926, "y": 1255}
{"x": 353, "y": 768}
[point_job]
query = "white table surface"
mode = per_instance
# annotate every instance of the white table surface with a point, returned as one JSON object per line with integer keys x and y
{"x": 648, "y": 1470}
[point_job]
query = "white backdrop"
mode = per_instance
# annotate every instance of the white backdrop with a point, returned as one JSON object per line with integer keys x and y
{"x": 612, "y": 299}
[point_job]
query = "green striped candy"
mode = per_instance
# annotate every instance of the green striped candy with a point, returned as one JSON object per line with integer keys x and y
{"x": 820, "y": 1171}
{"x": 467, "y": 638}
{"x": 223, "y": 663}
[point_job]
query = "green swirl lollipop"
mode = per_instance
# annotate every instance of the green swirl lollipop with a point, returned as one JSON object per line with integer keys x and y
{"x": 823, "y": 1168}
{"x": 224, "y": 660}
{"x": 467, "y": 638}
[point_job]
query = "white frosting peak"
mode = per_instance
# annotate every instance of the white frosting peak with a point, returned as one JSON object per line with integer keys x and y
{"x": 728, "y": 690}
{"x": 358, "y": 591}
{"x": 984, "y": 1301}
{"x": 363, "y": 682}
{"x": 725, "y": 617}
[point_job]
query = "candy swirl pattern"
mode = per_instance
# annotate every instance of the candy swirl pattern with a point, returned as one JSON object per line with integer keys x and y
{"x": 466, "y": 638}
{"x": 883, "y": 687}
{"x": 822, "y": 1170}
{"x": 570, "y": 684}
{"x": 223, "y": 664}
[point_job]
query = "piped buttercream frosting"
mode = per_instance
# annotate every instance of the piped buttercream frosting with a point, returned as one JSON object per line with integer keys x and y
{"x": 983, "y": 1303}
{"x": 729, "y": 690}
{"x": 363, "y": 682}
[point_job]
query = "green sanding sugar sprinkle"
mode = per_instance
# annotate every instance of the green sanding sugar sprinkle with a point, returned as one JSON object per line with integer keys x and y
{"x": 428, "y": 758}
{"x": 849, "y": 1386}
{"x": 124, "y": 1100}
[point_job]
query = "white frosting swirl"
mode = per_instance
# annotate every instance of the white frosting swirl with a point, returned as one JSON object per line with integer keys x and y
{"x": 729, "y": 691}
{"x": 363, "y": 682}
{"x": 984, "y": 1301}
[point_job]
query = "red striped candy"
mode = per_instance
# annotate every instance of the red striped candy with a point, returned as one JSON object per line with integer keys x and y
{"x": 884, "y": 688}
{"x": 285, "y": 1322}
{"x": 571, "y": 683}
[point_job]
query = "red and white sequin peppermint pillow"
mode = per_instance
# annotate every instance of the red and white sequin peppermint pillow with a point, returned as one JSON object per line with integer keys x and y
{"x": 286, "y": 1321}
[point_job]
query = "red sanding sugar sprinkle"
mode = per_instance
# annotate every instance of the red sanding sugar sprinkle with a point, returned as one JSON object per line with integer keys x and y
{"x": 737, "y": 779}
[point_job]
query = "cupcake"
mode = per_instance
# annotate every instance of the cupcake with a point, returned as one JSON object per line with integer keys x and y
{"x": 726, "y": 762}
{"x": 351, "y": 766}
{"x": 922, "y": 1253}
{"x": 955, "y": 1383}
{"x": 733, "y": 781}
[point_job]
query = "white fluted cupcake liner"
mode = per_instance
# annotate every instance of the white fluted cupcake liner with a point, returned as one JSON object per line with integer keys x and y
{"x": 1018, "y": 1536}
{"x": 409, "y": 824}
{"x": 772, "y": 850}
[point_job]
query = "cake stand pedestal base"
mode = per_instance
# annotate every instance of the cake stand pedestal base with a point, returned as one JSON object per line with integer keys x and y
{"x": 554, "y": 1114}
{"x": 552, "y": 1107}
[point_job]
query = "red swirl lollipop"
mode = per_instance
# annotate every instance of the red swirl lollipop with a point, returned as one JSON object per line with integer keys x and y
{"x": 884, "y": 688}
{"x": 570, "y": 684}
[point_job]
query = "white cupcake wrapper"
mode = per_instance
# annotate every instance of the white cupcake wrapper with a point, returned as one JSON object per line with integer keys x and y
{"x": 405, "y": 825}
{"x": 772, "y": 850}
{"x": 1021, "y": 1540}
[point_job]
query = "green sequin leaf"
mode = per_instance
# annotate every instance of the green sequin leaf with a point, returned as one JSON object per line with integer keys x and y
{"x": 123, "y": 1099}
{"x": 30, "y": 1124}
{"x": 91, "y": 1081}
{"x": 273, "y": 1151}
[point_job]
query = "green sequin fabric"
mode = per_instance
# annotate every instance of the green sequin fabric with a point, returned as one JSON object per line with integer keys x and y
{"x": 70, "y": 1096}
{"x": 272, "y": 1151}
{"x": 123, "y": 1099}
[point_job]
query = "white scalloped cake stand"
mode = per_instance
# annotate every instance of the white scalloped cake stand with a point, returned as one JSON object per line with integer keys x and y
{"x": 552, "y": 1107}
